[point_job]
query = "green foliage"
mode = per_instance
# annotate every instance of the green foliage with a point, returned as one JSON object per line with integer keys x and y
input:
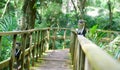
{"x": 51, "y": 14}
{"x": 5, "y": 48}
{"x": 92, "y": 35}
{"x": 95, "y": 36}
{"x": 8, "y": 23}
{"x": 113, "y": 47}
{"x": 91, "y": 22}
{"x": 116, "y": 21}
{"x": 103, "y": 21}
{"x": 2, "y": 3}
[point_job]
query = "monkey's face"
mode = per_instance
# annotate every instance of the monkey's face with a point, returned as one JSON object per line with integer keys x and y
{"x": 18, "y": 45}
{"x": 81, "y": 25}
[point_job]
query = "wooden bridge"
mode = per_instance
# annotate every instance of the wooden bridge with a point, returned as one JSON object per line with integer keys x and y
{"x": 35, "y": 44}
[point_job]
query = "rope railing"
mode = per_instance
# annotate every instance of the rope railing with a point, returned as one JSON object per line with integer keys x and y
{"x": 34, "y": 42}
{"x": 88, "y": 56}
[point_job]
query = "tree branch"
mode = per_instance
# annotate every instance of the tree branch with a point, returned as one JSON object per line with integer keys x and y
{"x": 74, "y": 5}
{"x": 5, "y": 8}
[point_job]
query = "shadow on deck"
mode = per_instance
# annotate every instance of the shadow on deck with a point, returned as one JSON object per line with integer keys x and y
{"x": 54, "y": 60}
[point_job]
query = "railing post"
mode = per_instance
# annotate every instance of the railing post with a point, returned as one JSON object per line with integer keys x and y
{"x": 13, "y": 51}
{"x": 47, "y": 40}
{"x": 54, "y": 38}
{"x": 28, "y": 57}
{"x": 43, "y": 43}
{"x": 36, "y": 33}
{"x": 64, "y": 38}
{"x": 33, "y": 51}
{"x": 82, "y": 59}
{"x": 42, "y": 40}
{"x": 72, "y": 45}
{"x": 37, "y": 44}
{"x": 76, "y": 57}
{"x": 23, "y": 50}
{"x": 40, "y": 45}
{"x": 0, "y": 44}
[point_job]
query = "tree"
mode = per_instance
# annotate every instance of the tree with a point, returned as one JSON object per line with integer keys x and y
{"x": 110, "y": 13}
{"x": 79, "y": 8}
{"x": 29, "y": 14}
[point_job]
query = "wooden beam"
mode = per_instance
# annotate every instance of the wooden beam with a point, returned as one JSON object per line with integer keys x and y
{"x": 4, "y": 63}
{"x": 53, "y": 59}
{"x": 99, "y": 59}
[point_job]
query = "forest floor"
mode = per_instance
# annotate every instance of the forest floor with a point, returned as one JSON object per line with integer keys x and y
{"x": 54, "y": 60}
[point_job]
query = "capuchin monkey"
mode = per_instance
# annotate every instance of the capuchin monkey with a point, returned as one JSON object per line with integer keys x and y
{"x": 17, "y": 50}
{"x": 17, "y": 53}
{"x": 81, "y": 28}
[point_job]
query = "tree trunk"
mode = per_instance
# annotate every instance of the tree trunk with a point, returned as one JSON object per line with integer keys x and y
{"x": 28, "y": 21}
{"x": 81, "y": 7}
{"x": 74, "y": 5}
{"x": 110, "y": 14}
{"x": 28, "y": 14}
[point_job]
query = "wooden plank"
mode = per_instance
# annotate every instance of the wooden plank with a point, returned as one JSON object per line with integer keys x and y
{"x": 98, "y": 58}
{"x": 4, "y": 63}
{"x": 28, "y": 31}
{"x": 15, "y": 32}
{"x": 52, "y": 59}
{"x": 20, "y": 32}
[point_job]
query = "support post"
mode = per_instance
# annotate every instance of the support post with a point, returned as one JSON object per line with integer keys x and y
{"x": 64, "y": 38}
{"x": 33, "y": 51}
{"x": 47, "y": 40}
{"x": 13, "y": 51}
{"x": 23, "y": 50}
{"x": 28, "y": 57}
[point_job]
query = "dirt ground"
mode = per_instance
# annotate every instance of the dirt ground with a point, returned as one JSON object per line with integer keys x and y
{"x": 54, "y": 60}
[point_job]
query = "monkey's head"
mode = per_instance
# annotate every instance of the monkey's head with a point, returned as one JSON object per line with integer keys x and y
{"x": 81, "y": 24}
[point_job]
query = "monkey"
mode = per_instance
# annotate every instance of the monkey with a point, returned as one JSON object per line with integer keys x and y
{"x": 17, "y": 50}
{"x": 17, "y": 53}
{"x": 81, "y": 28}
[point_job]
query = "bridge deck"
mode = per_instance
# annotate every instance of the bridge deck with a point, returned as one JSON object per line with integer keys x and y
{"x": 54, "y": 60}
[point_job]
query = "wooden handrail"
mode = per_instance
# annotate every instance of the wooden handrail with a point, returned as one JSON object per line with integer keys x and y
{"x": 98, "y": 58}
{"x": 82, "y": 49}
{"x": 38, "y": 39}
{"x": 88, "y": 56}
{"x": 28, "y": 31}
{"x": 4, "y": 63}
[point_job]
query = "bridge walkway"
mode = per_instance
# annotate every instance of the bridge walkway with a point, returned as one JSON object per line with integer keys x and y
{"x": 54, "y": 60}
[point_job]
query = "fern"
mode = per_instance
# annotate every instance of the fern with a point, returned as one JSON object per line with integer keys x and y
{"x": 8, "y": 23}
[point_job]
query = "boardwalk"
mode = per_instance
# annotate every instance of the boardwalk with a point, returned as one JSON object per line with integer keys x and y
{"x": 54, "y": 60}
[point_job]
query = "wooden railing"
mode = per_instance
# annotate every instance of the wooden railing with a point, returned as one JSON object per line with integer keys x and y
{"x": 85, "y": 54}
{"x": 33, "y": 43}
{"x": 88, "y": 56}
